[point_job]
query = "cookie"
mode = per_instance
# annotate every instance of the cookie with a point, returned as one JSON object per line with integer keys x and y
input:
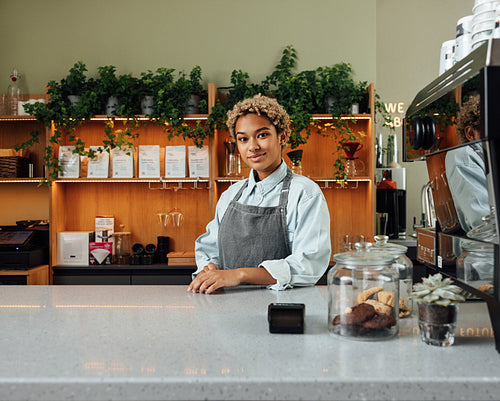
{"x": 379, "y": 321}
{"x": 386, "y": 297}
{"x": 363, "y": 296}
{"x": 379, "y": 306}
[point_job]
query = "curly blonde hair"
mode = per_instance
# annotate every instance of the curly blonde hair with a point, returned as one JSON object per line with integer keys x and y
{"x": 469, "y": 115}
{"x": 262, "y": 106}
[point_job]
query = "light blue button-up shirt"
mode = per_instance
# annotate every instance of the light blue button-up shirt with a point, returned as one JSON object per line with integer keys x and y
{"x": 308, "y": 223}
{"x": 466, "y": 174}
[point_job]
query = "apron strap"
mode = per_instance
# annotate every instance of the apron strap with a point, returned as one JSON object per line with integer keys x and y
{"x": 284, "y": 190}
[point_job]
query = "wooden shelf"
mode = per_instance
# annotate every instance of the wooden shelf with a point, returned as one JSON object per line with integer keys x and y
{"x": 75, "y": 202}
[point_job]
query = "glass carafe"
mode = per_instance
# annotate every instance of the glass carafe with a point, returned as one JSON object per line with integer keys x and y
{"x": 122, "y": 248}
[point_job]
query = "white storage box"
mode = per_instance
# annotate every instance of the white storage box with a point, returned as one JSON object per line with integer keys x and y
{"x": 73, "y": 248}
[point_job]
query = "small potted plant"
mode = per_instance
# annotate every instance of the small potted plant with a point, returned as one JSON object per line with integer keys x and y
{"x": 437, "y": 300}
{"x": 150, "y": 83}
{"x": 197, "y": 102}
{"x": 75, "y": 83}
{"x": 108, "y": 88}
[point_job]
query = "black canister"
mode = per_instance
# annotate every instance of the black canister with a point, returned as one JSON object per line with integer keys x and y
{"x": 138, "y": 249}
{"x": 151, "y": 250}
{"x": 163, "y": 249}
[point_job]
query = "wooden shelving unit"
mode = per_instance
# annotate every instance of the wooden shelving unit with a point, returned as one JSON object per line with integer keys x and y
{"x": 135, "y": 202}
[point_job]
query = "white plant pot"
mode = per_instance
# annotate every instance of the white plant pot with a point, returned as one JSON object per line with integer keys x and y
{"x": 147, "y": 103}
{"x": 73, "y": 99}
{"x": 111, "y": 106}
{"x": 193, "y": 104}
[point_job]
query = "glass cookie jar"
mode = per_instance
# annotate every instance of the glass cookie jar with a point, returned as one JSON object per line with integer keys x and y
{"x": 363, "y": 289}
{"x": 404, "y": 266}
{"x": 476, "y": 265}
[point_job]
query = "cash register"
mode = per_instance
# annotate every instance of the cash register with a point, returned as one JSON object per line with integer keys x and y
{"x": 24, "y": 245}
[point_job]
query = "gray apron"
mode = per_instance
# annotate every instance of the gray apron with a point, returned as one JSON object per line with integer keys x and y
{"x": 248, "y": 235}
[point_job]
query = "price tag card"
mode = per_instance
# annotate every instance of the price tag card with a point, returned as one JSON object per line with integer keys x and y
{"x": 149, "y": 161}
{"x": 198, "y": 161}
{"x": 123, "y": 162}
{"x": 175, "y": 161}
{"x": 69, "y": 162}
{"x": 98, "y": 166}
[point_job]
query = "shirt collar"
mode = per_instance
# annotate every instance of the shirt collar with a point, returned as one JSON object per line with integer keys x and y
{"x": 270, "y": 182}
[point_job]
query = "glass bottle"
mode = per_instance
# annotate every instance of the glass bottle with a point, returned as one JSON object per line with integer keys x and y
{"x": 233, "y": 162}
{"x": 363, "y": 290}
{"x": 14, "y": 93}
{"x": 404, "y": 266}
{"x": 296, "y": 160}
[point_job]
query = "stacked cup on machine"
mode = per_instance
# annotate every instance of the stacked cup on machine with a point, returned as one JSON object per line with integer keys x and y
{"x": 483, "y": 21}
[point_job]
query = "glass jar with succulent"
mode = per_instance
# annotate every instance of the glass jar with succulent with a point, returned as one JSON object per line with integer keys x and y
{"x": 437, "y": 300}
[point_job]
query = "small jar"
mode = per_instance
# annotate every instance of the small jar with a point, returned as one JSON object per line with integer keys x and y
{"x": 476, "y": 262}
{"x": 363, "y": 289}
{"x": 404, "y": 266}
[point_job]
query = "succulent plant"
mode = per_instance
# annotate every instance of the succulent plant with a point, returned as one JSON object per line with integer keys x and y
{"x": 436, "y": 290}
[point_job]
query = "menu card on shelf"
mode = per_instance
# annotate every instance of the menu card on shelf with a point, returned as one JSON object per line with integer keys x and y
{"x": 198, "y": 161}
{"x": 98, "y": 167}
{"x": 149, "y": 161}
{"x": 175, "y": 161}
{"x": 69, "y": 162}
{"x": 123, "y": 162}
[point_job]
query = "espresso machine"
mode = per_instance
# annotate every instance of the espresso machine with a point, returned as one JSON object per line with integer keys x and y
{"x": 464, "y": 173}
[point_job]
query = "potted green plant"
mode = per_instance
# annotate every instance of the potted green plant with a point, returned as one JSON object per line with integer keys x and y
{"x": 150, "y": 83}
{"x": 108, "y": 84}
{"x": 339, "y": 92}
{"x": 197, "y": 102}
{"x": 75, "y": 83}
{"x": 437, "y": 300}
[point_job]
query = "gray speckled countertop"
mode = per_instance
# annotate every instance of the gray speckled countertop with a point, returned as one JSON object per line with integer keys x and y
{"x": 162, "y": 343}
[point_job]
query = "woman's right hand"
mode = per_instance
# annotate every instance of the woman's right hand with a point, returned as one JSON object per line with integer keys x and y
{"x": 198, "y": 280}
{"x": 209, "y": 267}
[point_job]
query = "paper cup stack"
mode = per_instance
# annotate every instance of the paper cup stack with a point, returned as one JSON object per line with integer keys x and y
{"x": 496, "y": 33}
{"x": 463, "y": 38}
{"x": 447, "y": 56}
{"x": 483, "y": 21}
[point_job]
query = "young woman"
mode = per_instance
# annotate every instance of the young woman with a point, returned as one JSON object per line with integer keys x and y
{"x": 272, "y": 228}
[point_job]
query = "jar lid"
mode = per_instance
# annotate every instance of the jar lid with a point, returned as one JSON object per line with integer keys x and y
{"x": 364, "y": 258}
{"x": 475, "y": 246}
{"x": 381, "y": 243}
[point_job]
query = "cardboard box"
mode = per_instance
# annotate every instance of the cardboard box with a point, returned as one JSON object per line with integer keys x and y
{"x": 104, "y": 228}
{"x": 100, "y": 253}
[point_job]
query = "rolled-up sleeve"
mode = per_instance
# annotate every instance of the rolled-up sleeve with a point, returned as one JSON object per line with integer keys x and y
{"x": 310, "y": 245}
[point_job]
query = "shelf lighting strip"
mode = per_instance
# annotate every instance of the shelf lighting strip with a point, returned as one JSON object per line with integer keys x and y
{"x": 20, "y": 180}
{"x": 188, "y": 117}
{"x": 353, "y": 117}
{"x": 235, "y": 179}
{"x": 130, "y": 180}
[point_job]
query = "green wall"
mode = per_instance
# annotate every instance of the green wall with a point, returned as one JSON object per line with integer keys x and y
{"x": 45, "y": 38}
{"x": 394, "y": 43}
{"x": 409, "y": 38}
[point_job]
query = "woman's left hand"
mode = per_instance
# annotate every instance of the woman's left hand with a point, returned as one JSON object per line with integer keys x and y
{"x": 207, "y": 281}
